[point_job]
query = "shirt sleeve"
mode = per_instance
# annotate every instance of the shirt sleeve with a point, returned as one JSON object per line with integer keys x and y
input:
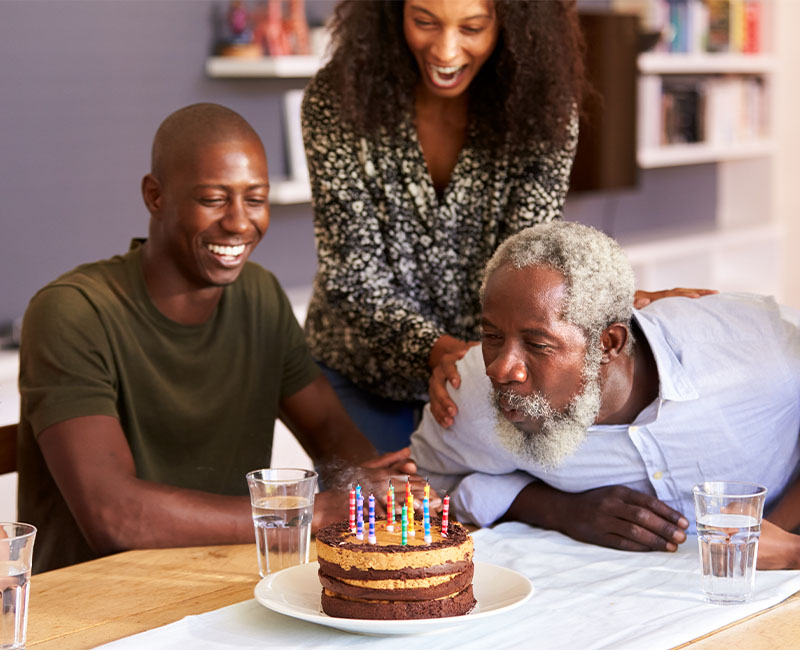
{"x": 353, "y": 272}
{"x": 539, "y": 184}
{"x": 466, "y": 460}
{"x": 66, "y": 370}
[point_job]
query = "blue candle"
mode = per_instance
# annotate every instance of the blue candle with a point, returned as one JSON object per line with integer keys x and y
{"x": 359, "y": 517}
{"x": 426, "y": 520}
{"x": 372, "y": 538}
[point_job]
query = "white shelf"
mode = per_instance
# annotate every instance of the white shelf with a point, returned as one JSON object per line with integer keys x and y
{"x": 289, "y": 192}
{"x": 288, "y": 67}
{"x": 656, "y": 250}
{"x": 702, "y": 152}
{"x": 676, "y": 63}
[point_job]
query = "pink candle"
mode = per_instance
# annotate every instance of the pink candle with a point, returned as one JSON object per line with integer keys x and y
{"x": 352, "y": 510}
{"x": 445, "y": 513}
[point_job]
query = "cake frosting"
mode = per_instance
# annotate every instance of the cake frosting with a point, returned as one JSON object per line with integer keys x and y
{"x": 388, "y": 580}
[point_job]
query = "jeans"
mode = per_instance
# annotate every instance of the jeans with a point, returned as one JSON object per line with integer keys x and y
{"x": 388, "y": 424}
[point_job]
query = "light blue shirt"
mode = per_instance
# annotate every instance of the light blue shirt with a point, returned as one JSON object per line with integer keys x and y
{"x": 728, "y": 408}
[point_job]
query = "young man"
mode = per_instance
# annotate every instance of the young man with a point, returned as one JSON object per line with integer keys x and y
{"x": 150, "y": 382}
{"x": 580, "y": 415}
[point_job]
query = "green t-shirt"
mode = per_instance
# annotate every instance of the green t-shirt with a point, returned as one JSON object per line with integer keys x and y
{"x": 197, "y": 403}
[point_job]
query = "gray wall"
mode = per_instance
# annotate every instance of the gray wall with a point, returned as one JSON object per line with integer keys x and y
{"x": 84, "y": 85}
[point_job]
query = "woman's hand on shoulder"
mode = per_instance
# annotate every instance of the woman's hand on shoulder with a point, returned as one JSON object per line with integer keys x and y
{"x": 443, "y": 364}
{"x": 644, "y": 298}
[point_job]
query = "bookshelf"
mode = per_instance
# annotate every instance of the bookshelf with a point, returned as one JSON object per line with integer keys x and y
{"x": 283, "y": 191}
{"x": 731, "y": 131}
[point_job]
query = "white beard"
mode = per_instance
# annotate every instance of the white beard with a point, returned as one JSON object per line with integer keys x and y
{"x": 560, "y": 434}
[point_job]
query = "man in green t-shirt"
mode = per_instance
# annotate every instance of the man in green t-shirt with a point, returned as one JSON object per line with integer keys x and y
{"x": 150, "y": 382}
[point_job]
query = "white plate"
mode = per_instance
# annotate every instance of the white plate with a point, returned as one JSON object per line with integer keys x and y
{"x": 296, "y": 592}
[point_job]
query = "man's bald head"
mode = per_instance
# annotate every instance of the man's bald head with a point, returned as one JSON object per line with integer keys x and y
{"x": 183, "y": 133}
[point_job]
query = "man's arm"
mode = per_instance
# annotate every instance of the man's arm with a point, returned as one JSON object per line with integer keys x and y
{"x": 339, "y": 450}
{"x": 613, "y": 516}
{"x": 92, "y": 464}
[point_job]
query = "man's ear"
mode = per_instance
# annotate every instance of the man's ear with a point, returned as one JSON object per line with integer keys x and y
{"x": 613, "y": 341}
{"x": 151, "y": 193}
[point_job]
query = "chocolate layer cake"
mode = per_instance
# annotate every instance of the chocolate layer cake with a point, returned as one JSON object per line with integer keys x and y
{"x": 390, "y": 581}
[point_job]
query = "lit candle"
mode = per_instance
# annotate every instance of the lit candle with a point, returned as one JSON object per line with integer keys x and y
{"x": 359, "y": 516}
{"x": 352, "y": 509}
{"x": 427, "y": 489}
{"x": 372, "y": 538}
{"x": 445, "y": 512}
{"x": 410, "y": 506}
{"x": 390, "y": 508}
{"x": 426, "y": 520}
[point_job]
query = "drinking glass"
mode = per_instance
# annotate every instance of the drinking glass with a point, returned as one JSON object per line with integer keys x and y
{"x": 16, "y": 555}
{"x": 728, "y": 527}
{"x": 283, "y": 506}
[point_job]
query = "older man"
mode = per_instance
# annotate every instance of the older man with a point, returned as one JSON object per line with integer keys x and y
{"x": 151, "y": 381}
{"x": 582, "y": 415}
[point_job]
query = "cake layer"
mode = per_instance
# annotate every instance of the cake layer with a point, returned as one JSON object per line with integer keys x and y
{"x": 399, "y": 590}
{"x": 457, "y": 605}
{"x": 337, "y": 545}
{"x": 335, "y": 571}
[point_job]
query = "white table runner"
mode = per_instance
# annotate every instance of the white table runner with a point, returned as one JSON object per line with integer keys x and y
{"x": 585, "y": 597}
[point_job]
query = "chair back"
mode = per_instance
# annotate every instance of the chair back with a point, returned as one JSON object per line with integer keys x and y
{"x": 8, "y": 448}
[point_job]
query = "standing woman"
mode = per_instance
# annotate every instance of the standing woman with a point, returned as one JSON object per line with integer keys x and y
{"x": 438, "y": 129}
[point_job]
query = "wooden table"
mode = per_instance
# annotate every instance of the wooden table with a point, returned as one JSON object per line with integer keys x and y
{"x": 96, "y": 602}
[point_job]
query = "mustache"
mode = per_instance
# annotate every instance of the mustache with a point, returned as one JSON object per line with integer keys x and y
{"x": 535, "y": 405}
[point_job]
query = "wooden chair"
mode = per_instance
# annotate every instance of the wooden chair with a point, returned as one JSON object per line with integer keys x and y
{"x": 8, "y": 448}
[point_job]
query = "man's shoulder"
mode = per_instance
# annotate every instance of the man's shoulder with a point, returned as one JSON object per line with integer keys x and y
{"x": 92, "y": 282}
{"x": 739, "y": 315}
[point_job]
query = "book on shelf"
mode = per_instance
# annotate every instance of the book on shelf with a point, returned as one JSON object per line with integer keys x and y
{"x": 696, "y": 26}
{"x": 719, "y": 110}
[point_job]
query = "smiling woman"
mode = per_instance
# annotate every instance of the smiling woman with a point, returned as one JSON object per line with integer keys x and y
{"x": 438, "y": 128}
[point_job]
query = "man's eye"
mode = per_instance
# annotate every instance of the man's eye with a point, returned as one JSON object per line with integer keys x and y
{"x": 256, "y": 200}
{"x": 212, "y": 200}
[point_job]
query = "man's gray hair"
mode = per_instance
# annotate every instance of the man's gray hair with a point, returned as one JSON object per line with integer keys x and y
{"x": 598, "y": 276}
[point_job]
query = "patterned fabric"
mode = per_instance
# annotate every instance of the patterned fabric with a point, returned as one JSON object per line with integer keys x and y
{"x": 400, "y": 266}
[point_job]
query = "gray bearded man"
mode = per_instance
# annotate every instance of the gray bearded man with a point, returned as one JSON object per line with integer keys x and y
{"x": 580, "y": 414}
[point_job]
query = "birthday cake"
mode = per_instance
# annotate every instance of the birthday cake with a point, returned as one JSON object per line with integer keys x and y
{"x": 389, "y": 580}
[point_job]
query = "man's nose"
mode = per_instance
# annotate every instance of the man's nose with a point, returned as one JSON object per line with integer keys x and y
{"x": 507, "y": 368}
{"x": 235, "y": 219}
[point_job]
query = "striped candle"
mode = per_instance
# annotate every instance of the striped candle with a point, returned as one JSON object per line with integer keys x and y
{"x": 372, "y": 538}
{"x": 404, "y": 526}
{"x": 390, "y": 508}
{"x": 426, "y": 520}
{"x": 359, "y": 516}
{"x": 445, "y": 513}
{"x": 352, "y": 509}
{"x": 411, "y": 531}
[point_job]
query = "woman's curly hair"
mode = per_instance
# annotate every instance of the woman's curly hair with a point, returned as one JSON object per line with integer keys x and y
{"x": 528, "y": 90}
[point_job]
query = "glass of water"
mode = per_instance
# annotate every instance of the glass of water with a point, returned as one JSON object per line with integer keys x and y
{"x": 728, "y": 527}
{"x": 283, "y": 506}
{"x": 16, "y": 555}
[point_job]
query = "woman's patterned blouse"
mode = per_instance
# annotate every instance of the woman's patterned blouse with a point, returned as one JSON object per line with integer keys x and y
{"x": 398, "y": 265}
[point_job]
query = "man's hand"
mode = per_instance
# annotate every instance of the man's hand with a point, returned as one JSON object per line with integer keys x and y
{"x": 621, "y": 518}
{"x": 777, "y": 548}
{"x": 613, "y": 516}
{"x": 644, "y": 298}
{"x": 444, "y": 370}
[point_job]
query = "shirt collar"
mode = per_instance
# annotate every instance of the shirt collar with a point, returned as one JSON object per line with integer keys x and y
{"x": 673, "y": 380}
